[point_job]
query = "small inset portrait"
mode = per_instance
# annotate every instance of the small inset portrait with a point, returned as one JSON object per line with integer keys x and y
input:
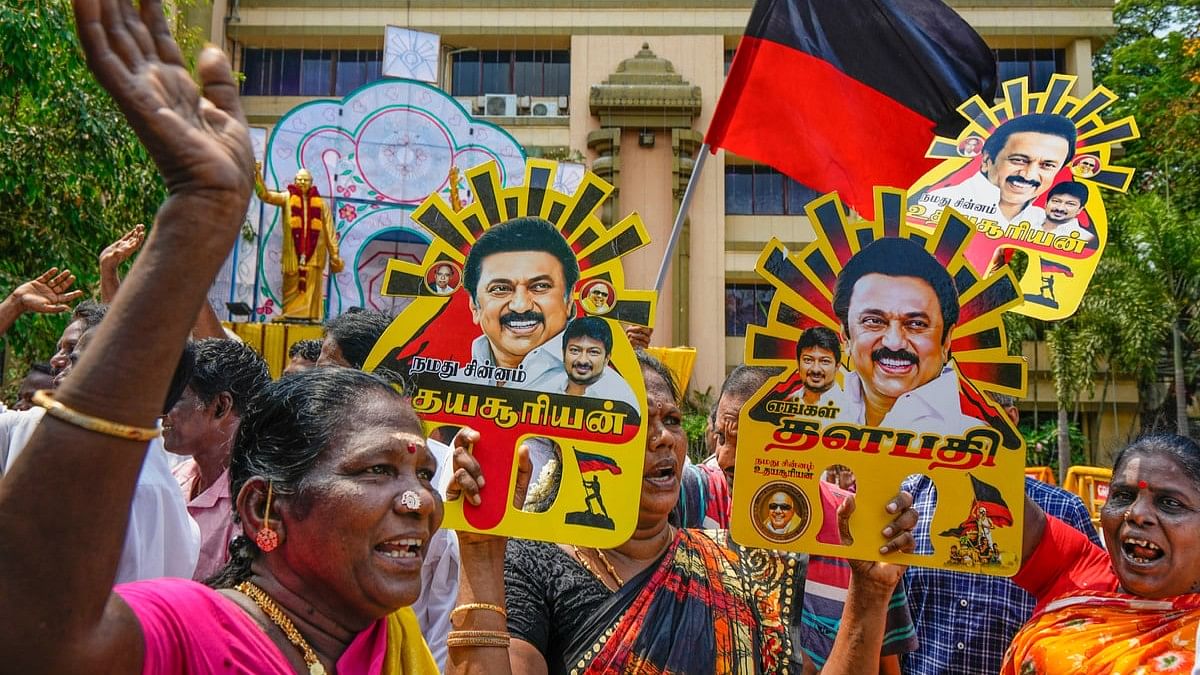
{"x": 780, "y": 512}
{"x": 970, "y": 146}
{"x": 1086, "y": 166}
{"x": 597, "y": 296}
{"x": 443, "y": 277}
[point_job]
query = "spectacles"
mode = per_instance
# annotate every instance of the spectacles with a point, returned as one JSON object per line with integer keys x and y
{"x": 779, "y": 507}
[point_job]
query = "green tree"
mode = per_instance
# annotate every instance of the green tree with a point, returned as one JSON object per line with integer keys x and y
{"x": 73, "y": 175}
{"x": 1154, "y": 250}
{"x": 1143, "y": 298}
{"x": 1153, "y": 65}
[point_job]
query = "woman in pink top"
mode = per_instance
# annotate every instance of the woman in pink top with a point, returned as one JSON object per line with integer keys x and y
{"x": 331, "y": 463}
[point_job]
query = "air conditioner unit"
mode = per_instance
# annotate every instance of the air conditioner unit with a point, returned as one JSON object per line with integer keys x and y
{"x": 544, "y": 109}
{"x": 500, "y": 105}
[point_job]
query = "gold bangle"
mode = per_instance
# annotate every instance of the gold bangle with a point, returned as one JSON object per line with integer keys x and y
{"x": 477, "y": 638}
{"x": 477, "y": 642}
{"x": 62, "y": 413}
{"x": 478, "y": 605}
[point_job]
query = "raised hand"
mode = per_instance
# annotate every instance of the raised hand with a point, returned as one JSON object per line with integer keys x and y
{"x": 119, "y": 251}
{"x": 639, "y": 336}
{"x": 468, "y": 477}
{"x": 899, "y": 536}
{"x": 196, "y": 136}
{"x": 48, "y": 293}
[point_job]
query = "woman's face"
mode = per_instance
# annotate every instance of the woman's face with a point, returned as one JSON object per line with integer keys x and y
{"x": 349, "y": 535}
{"x": 666, "y": 446}
{"x": 1151, "y": 523}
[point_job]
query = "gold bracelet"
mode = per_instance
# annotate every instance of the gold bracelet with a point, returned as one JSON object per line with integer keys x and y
{"x": 478, "y": 605}
{"x": 477, "y": 638}
{"x": 62, "y": 413}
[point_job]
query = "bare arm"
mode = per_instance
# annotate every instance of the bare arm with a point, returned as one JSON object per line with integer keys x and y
{"x": 62, "y": 546}
{"x": 864, "y": 618}
{"x": 208, "y": 325}
{"x": 111, "y": 258}
{"x": 482, "y": 577}
{"x": 47, "y": 294}
{"x": 1035, "y": 528}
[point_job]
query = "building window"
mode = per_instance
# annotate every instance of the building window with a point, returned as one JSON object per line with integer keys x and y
{"x": 520, "y": 72}
{"x": 746, "y": 304}
{"x": 729, "y": 53}
{"x": 308, "y": 72}
{"x": 1036, "y": 64}
{"x": 761, "y": 191}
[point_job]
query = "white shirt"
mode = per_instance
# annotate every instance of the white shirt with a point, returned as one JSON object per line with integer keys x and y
{"x": 540, "y": 365}
{"x": 830, "y": 397}
{"x": 978, "y": 198}
{"x": 933, "y": 407}
{"x": 439, "y": 570}
{"x": 1065, "y": 229}
{"x": 609, "y": 386}
{"x": 162, "y": 540}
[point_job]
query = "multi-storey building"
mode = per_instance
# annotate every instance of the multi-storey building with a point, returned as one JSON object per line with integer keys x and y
{"x": 630, "y": 87}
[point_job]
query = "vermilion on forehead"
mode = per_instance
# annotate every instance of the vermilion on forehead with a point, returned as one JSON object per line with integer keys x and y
{"x": 1156, "y": 473}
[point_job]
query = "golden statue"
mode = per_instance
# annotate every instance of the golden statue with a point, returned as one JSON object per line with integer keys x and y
{"x": 308, "y": 240}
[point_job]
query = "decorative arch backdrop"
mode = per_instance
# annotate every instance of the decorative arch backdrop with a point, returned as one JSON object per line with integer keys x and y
{"x": 374, "y": 156}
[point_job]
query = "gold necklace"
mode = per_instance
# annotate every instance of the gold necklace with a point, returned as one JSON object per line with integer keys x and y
{"x": 588, "y": 566}
{"x": 276, "y": 615}
{"x": 608, "y": 565}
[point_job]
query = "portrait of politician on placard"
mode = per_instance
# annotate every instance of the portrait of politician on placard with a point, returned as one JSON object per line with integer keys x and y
{"x": 516, "y": 333}
{"x": 1028, "y": 172}
{"x": 889, "y": 344}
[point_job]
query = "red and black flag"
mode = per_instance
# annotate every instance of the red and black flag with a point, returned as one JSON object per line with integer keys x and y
{"x": 590, "y": 462}
{"x": 988, "y": 498}
{"x": 846, "y": 95}
{"x": 1051, "y": 267}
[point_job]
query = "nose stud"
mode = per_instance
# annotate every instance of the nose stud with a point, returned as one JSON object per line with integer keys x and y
{"x": 411, "y": 500}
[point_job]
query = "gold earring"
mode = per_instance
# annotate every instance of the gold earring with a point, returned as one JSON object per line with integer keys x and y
{"x": 266, "y": 538}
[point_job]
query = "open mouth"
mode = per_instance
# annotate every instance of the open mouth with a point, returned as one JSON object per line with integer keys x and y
{"x": 661, "y": 475}
{"x": 399, "y": 549}
{"x": 524, "y": 323}
{"x": 1019, "y": 184}
{"x": 894, "y": 363}
{"x": 1140, "y": 551}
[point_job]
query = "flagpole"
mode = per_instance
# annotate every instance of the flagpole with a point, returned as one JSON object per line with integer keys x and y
{"x": 677, "y": 228}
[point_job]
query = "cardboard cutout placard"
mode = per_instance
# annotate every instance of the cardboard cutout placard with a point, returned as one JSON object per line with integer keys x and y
{"x": 1027, "y": 173}
{"x": 887, "y": 337}
{"x": 515, "y": 330}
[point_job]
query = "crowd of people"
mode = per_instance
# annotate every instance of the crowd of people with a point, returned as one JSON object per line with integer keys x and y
{"x": 167, "y": 507}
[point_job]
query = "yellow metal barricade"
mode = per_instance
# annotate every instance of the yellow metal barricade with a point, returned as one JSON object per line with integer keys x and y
{"x": 1042, "y": 473}
{"x": 1090, "y": 483}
